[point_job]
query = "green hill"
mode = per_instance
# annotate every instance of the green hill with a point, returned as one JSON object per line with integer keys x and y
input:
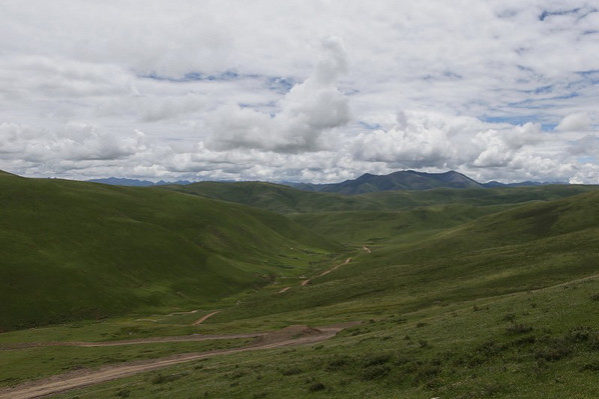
{"x": 74, "y": 250}
{"x": 284, "y": 199}
{"x": 462, "y": 293}
{"x": 274, "y": 197}
{"x": 432, "y": 258}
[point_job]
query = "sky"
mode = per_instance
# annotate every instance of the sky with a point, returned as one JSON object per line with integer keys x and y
{"x": 299, "y": 90}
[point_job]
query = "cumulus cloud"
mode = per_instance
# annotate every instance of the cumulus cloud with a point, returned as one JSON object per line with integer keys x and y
{"x": 75, "y": 142}
{"x": 307, "y": 112}
{"x": 437, "y": 142}
{"x": 417, "y": 141}
{"x": 498, "y": 148}
{"x": 214, "y": 89}
{"x": 575, "y": 122}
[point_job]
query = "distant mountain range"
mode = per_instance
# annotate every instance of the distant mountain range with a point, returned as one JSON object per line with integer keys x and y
{"x": 367, "y": 183}
{"x": 404, "y": 180}
{"x": 117, "y": 181}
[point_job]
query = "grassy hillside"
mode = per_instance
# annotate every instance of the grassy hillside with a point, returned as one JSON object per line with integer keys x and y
{"x": 494, "y": 255}
{"x": 275, "y": 197}
{"x": 284, "y": 199}
{"x": 530, "y": 345}
{"x": 464, "y": 293}
{"x": 75, "y": 250}
{"x": 502, "y": 306}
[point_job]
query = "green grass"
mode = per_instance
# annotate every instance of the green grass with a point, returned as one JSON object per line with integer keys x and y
{"x": 460, "y": 350}
{"x": 284, "y": 199}
{"x": 466, "y": 294}
{"x": 74, "y": 250}
{"x": 24, "y": 365}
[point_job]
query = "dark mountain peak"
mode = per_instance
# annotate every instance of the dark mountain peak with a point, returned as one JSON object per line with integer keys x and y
{"x": 400, "y": 180}
{"x": 365, "y": 176}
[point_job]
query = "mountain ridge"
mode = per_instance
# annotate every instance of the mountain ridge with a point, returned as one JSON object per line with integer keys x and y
{"x": 400, "y": 180}
{"x": 122, "y": 181}
{"x": 366, "y": 183}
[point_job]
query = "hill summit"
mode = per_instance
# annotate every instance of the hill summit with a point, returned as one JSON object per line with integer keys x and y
{"x": 402, "y": 180}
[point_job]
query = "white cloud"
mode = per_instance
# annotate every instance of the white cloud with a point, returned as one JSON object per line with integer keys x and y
{"x": 499, "y": 148}
{"x": 76, "y": 142}
{"x": 575, "y": 122}
{"x": 418, "y": 141}
{"x": 214, "y": 88}
{"x": 307, "y": 112}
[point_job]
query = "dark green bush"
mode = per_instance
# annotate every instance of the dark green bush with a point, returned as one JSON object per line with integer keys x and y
{"x": 553, "y": 351}
{"x": 338, "y": 364}
{"x": 375, "y": 372}
{"x": 317, "y": 386}
{"x": 161, "y": 379}
{"x": 518, "y": 329}
{"x": 377, "y": 359}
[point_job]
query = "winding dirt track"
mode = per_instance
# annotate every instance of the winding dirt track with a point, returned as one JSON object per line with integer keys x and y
{"x": 155, "y": 340}
{"x": 83, "y": 378}
{"x": 204, "y": 318}
{"x": 306, "y": 282}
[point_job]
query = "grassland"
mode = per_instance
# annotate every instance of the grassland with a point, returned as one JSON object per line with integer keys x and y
{"x": 527, "y": 345}
{"x": 74, "y": 251}
{"x": 464, "y": 294}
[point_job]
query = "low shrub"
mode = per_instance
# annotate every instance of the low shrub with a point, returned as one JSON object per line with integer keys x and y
{"x": 590, "y": 366}
{"x": 375, "y": 372}
{"x": 554, "y": 351}
{"x": 518, "y": 329}
{"x": 123, "y": 393}
{"x": 337, "y": 364}
{"x": 317, "y": 386}
{"x": 377, "y": 359}
{"x": 161, "y": 379}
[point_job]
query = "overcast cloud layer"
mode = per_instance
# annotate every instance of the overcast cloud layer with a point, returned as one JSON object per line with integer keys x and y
{"x": 313, "y": 90}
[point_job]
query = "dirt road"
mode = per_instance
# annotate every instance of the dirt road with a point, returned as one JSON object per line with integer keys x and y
{"x": 291, "y": 336}
{"x": 306, "y": 282}
{"x": 203, "y": 319}
{"x": 186, "y": 338}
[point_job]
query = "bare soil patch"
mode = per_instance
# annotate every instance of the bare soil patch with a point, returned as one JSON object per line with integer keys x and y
{"x": 204, "y": 318}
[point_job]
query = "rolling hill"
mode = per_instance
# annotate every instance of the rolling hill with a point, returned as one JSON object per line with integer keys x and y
{"x": 461, "y": 293}
{"x": 286, "y": 200}
{"x": 528, "y": 247}
{"x": 74, "y": 250}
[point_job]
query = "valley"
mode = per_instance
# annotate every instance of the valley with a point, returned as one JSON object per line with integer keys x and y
{"x": 445, "y": 292}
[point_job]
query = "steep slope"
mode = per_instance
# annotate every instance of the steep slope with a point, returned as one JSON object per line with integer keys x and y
{"x": 81, "y": 250}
